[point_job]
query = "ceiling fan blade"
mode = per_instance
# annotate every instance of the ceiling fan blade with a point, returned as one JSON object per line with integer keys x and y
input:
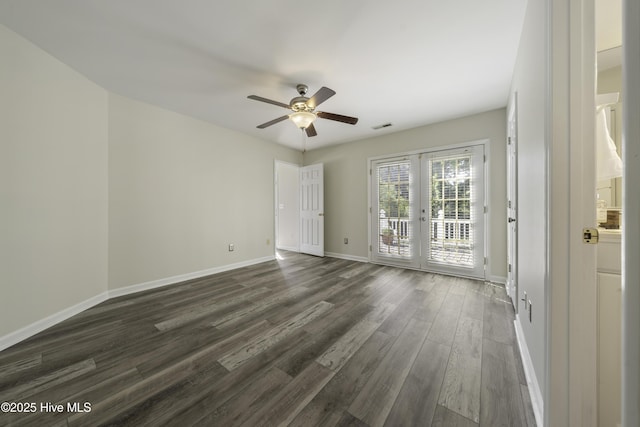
{"x": 337, "y": 117}
{"x": 272, "y": 122}
{"x": 320, "y": 96}
{"x": 311, "y": 130}
{"x": 268, "y": 101}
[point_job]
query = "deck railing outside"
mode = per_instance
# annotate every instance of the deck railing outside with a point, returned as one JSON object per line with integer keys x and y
{"x": 451, "y": 239}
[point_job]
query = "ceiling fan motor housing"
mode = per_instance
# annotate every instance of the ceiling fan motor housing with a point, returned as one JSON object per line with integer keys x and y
{"x": 299, "y": 103}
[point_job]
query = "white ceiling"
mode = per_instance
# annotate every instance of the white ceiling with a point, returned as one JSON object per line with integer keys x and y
{"x": 405, "y": 62}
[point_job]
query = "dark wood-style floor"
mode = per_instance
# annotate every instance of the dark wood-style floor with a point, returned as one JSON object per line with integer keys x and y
{"x": 302, "y": 341}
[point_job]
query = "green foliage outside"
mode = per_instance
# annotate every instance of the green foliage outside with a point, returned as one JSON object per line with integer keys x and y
{"x": 393, "y": 202}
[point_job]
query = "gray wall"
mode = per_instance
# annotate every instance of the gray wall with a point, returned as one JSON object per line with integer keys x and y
{"x": 181, "y": 190}
{"x": 530, "y": 83}
{"x": 53, "y": 185}
{"x": 346, "y": 176}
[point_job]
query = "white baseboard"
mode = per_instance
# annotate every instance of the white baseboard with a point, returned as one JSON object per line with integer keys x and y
{"x": 49, "y": 321}
{"x": 289, "y": 248}
{"x": 497, "y": 279}
{"x": 132, "y": 289}
{"x": 347, "y": 257}
{"x": 40, "y": 325}
{"x": 529, "y": 372}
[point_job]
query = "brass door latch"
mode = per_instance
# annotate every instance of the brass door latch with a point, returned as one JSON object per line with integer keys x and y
{"x": 590, "y": 235}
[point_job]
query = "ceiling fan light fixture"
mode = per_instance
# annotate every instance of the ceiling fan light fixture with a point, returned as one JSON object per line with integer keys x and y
{"x": 302, "y": 119}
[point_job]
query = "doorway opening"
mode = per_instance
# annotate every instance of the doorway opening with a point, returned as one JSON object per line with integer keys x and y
{"x": 299, "y": 208}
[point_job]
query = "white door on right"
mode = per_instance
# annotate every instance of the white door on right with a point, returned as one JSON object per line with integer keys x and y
{"x": 452, "y": 211}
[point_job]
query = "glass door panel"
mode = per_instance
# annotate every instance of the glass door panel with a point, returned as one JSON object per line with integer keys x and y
{"x": 394, "y": 217}
{"x": 453, "y": 205}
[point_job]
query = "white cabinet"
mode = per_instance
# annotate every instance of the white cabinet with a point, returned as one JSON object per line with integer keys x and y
{"x": 609, "y": 328}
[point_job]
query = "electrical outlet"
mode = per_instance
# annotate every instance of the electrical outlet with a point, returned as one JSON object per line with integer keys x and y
{"x": 346, "y": 240}
{"x": 231, "y": 247}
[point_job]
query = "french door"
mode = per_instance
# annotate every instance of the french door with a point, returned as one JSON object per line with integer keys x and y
{"x": 428, "y": 211}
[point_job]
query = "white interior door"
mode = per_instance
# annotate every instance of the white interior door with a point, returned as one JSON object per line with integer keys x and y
{"x": 312, "y": 209}
{"x": 512, "y": 204}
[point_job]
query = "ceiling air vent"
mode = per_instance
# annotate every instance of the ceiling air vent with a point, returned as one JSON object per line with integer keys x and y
{"x": 386, "y": 125}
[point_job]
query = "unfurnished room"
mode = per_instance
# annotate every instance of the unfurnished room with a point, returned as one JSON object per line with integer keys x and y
{"x": 291, "y": 213}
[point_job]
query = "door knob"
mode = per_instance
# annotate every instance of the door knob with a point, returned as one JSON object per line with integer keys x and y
{"x": 512, "y": 220}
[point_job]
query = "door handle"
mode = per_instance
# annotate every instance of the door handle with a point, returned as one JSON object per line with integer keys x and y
{"x": 512, "y": 220}
{"x": 321, "y": 214}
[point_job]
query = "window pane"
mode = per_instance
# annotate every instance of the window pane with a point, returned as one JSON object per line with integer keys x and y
{"x": 451, "y": 231}
{"x": 394, "y": 235}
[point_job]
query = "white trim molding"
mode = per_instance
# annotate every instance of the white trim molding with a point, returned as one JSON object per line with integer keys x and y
{"x": 288, "y": 248}
{"x": 570, "y": 385}
{"x": 49, "y": 321}
{"x": 497, "y": 279}
{"x": 113, "y": 293}
{"x": 532, "y": 382}
{"x": 347, "y": 257}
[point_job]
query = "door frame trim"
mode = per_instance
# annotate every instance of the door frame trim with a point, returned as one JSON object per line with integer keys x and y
{"x": 570, "y": 393}
{"x": 512, "y": 114}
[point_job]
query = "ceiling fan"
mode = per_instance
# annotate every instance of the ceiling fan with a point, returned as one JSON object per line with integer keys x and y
{"x": 303, "y": 108}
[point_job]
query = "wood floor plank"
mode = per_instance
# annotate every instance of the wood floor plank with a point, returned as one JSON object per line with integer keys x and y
{"x": 182, "y": 348}
{"x": 144, "y": 390}
{"x": 238, "y": 410}
{"x": 288, "y": 403}
{"x": 444, "y": 325}
{"x": 211, "y": 396}
{"x": 501, "y": 395}
{"x": 238, "y": 316}
{"x": 528, "y": 407}
{"x": 240, "y": 355}
{"x": 461, "y": 386}
{"x": 52, "y": 379}
{"x": 495, "y": 327}
{"x": 207, "y": 309}
{"x": 162, "y": 406}
{"x": 447, "y": 418}
{"x": 473, "y": 305}
{"x": 327, "y": 408}
{"x": 322, "y": 333}
{"x": 348, "y": 420}
{"x": 417, "y": 401}
{"x": 13, "y": 368}
{"x": 375, "y": 400}
{"x": 90, "y": 388}
{"x": 337, "y": 355}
